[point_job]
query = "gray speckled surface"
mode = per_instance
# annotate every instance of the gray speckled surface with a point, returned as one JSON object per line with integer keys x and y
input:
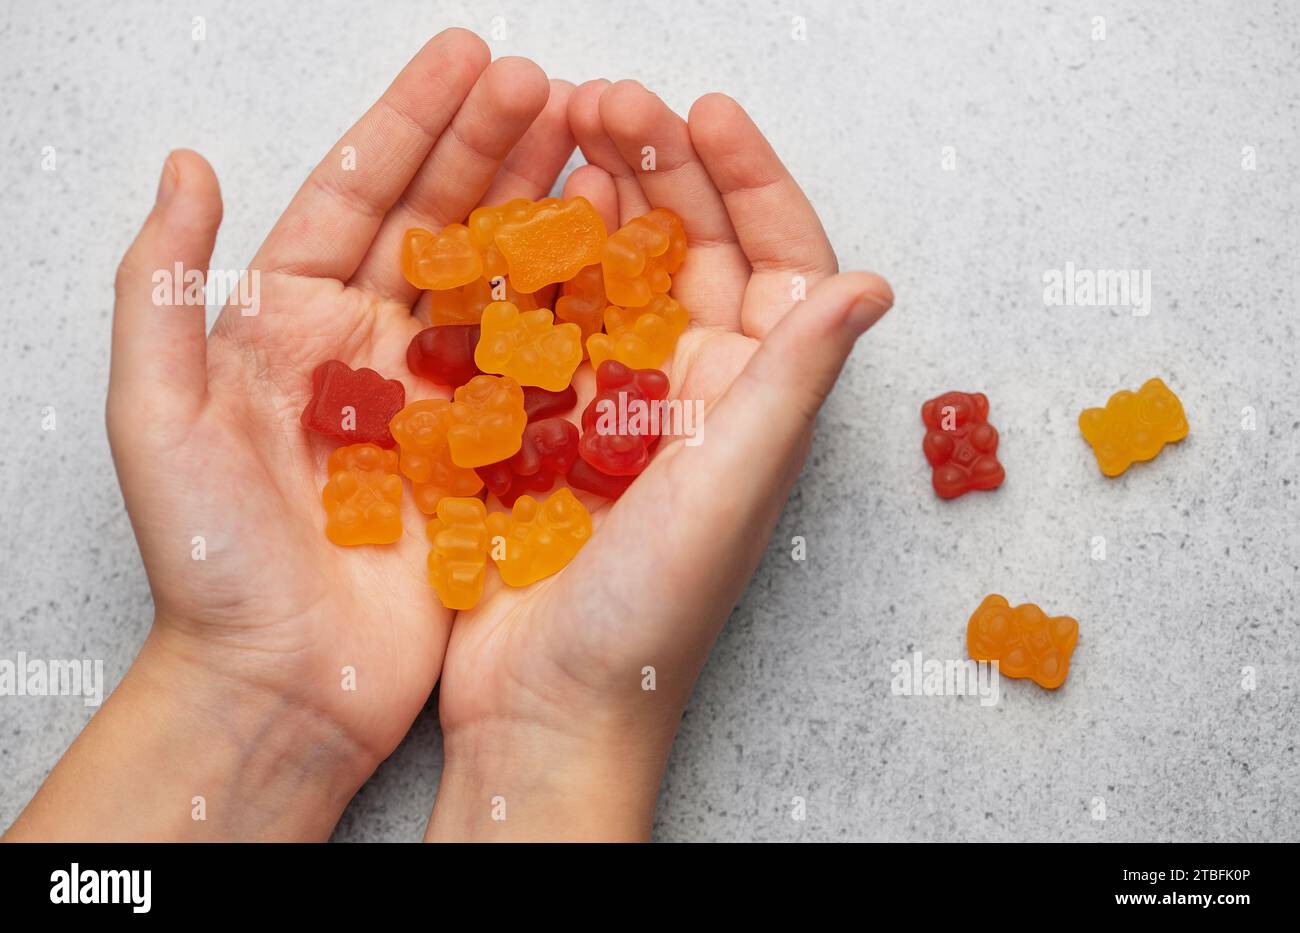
{"x": 1124, "y": 153}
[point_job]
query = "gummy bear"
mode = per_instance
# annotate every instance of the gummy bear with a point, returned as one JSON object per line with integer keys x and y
{"x": 488, "y": 421}
{"x": 582, "y": 301}
{"x": 548, "y": 449}
{"x": 421, "y": 430}
{"x": 355, "y": 406}
{"x": 540, "y": 403}
{"x": 641, "y": 338}
{"x": 439, "y": 261}
{"x": 619, "y": 427}
{"x": 584, "y": 476}
{"x": 529, "y": 347}
{"x": 552, "y": 244}
{"x": 458, "y": 560}
{"x": 484, "y": 222}
{"x": 465, "y": 305}
{"x": 1024, "y": 641}
{"x": 363, "y": 496}
{"x": 960, "y": 444}
{"x": 444, "y": 354}
{"x": 1134, "y": 426}
{"x": 641, "y": 257}
{"x": 540, "y": 538}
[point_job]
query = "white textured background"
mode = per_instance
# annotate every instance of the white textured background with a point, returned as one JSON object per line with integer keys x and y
{"x": 1118, "y": 154}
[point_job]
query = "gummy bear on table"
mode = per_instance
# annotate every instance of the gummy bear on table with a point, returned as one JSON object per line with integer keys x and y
{"x": 1024, "y": 640}
{"x": 960, "y": 444}
{"x": 1134, "y": 426}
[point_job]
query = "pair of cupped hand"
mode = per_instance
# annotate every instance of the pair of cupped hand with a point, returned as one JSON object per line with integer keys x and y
{"x": 558, "y": 702}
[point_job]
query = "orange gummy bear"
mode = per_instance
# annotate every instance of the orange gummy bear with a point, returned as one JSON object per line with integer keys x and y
{"x": 458, "y": 559}
{"x": 488, "y": 421}
{"x": 484, "y": 222}
{"x": 582, "y": 301}
{"x": 465, "y": 305}
{"x": 641, "y": 257}
{"x": 1134, "y": 426}
{"x": 528, "y": 347}
{"x": 420, "y": 430}
{"x": 363, "y": 496}
{"x": 540, "y": 538}
{"x": 440, "y": 261}
{"x": 551, "y": 244}
{"x": 1024, "y": 641}
{"x": 640, "y": 338}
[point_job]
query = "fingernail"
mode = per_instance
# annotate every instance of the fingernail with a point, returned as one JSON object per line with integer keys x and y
{"x": 867, "y": 310}
{"x": 167, "y": 183}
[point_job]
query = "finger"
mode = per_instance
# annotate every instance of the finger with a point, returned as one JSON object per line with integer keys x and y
{"x": 331, "y": 221}
{"x": 504, "y": 102}
{"x": 599, "y": 149}
{"x": 596, "y": 185}
{"x": 159, "y": 345}
{"x": 765, "y": 416}
{"x": 655, "y": 145}
{"x": 777, "y": 226}
{"x": 530, "y": 170}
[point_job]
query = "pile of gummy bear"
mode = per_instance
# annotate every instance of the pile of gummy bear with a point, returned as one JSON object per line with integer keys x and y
{"x": 510, "y": 361}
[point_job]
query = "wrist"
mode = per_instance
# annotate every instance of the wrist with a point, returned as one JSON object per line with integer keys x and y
{"x": 521, "y": 784}
{"x": 182, "y": 751}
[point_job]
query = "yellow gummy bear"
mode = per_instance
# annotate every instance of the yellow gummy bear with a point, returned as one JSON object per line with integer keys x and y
{"x": 1134, "y": 426}
{"x": 540, "y": 538}
{"x": 640, "y": 338}
{"x": 458, "y": 559}
{"x": 528, "y": 346}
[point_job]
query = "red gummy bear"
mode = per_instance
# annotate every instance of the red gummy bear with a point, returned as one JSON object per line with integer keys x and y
{"x": 444, "y": 354}
{"x": 541, "y": 403}
{"x": 355, "y": 406}
{"x": 586, "y": 477}
{"x": 548, "y": 450}
{"x": 618, "y": 431}
{"x": 960, "y": 444}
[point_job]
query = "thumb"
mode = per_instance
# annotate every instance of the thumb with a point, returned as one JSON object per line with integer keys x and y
{"x": 159, "y": 361}
{"x": 762, "y": 422}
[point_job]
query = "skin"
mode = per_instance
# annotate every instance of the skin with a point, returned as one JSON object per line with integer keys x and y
{"x": 238, "y": 695}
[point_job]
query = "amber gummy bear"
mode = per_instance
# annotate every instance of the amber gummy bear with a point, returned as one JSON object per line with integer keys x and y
{"x": 1134, "y": 426}
{"x": 1024, "y": 640}
{"x": 440, "y": 261}
{"x": 551, "y": 244}
{"x": 363, "y": 496}
{"x": 641, "y": 257}
{"x": 540, "y": 538}
{"x": 458, "y": 558}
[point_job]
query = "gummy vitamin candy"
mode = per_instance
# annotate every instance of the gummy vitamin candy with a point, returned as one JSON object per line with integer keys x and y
{"x": 540, "y": 403}
{"x": 960, "y": 444}
{"x": 641, "y": 257}
{"x": 540, "y": 538}
{"x": 421, "y": 432}
{"x": 363, "y": 496}
{"x": 582, "y": 301}
{"x": 484, "y": 222}
{"x": 1024, "y": 641}
{"x": 552, "y": 244}
{"x": 547, "y": 451}
{"x": 487, "y": 421}
{"x": 439, "y": 261}
{"x": 528, "y": 346}
{"x": 641, "y": 338}
{"x": 586, "y": 477}
{"x": 458, "y": 559}
{"x": 444, "y": 354}
{"x": 618, "y": 433}
{"x": 355, "y": 406}
{"x": 465, "y": 305}
{"x": 1134, "y": 426}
